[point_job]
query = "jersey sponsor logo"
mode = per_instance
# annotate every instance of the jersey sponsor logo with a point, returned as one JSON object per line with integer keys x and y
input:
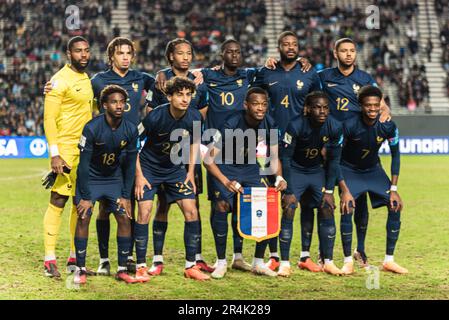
{"x": 272, "y": 83}
{"x": 135, "y": 86}
{"x": 213, "y": 85}
{"x": 330, "y": 84}
{"x": 356, "y": 88}
{"x": 299, "y": 84}
{"x": 123, "y": 143}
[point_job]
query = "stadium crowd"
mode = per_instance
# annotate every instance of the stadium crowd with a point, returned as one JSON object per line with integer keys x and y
{"x": 30, "y": 56}
{"x": 317, "y": 26}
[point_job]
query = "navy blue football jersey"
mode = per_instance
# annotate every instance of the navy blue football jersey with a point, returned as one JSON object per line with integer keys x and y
{"x": 199, "y": 98}
{"x": 342, "y": 91}
{"x": 243, "y": 150}
{"x": 305, "y": 141}
{"x": 158, "y": 126}
{"x": 362, "y": 142}
{"x": 287, "y": 91}
{"x": 134, "y": 82}
{"x": 101, "y": 147}
{"x": 226, "y": 94}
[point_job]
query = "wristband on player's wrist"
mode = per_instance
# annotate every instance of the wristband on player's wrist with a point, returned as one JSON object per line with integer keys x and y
{"x": 329, "y": 191}
{"x": 279, "y": 179}
{"x": 394, "y": 188}
{"x": 54, "y": 151}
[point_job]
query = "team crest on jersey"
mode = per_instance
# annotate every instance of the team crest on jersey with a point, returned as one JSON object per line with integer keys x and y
{"x": 135, "y": 86}
{"x": 287, "y": 138}
{"x": 239, "y": 82}
{"x": 122, "y": 143}
{"x": 356, "y": 88}
{"x": 325, "y": 139}
{"x": 379, "y": 140}
{"x": 299, "y": 84}
{"x": 217, "y": 194}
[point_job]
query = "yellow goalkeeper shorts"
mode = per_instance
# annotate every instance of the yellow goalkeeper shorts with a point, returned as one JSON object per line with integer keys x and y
{"x": 65, "y": 184}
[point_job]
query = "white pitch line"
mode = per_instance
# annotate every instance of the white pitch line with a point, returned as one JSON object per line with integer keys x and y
{"x": 29, "y": 176}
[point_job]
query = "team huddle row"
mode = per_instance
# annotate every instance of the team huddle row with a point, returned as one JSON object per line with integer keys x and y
{"x": 330, "y": 127}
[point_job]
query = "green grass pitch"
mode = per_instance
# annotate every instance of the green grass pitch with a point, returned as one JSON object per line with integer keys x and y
{"x": 422, "y": 248}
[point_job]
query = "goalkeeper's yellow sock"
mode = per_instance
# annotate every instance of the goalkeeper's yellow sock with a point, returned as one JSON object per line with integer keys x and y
{"x": 73, "y": 220}
{"x": 52, "y": 222}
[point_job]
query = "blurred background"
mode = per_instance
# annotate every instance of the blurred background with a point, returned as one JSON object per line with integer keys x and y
{"x": 408, "y": 55}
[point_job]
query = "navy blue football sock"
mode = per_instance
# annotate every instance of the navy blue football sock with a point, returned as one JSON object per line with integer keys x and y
{"x": 393, "y": 227}
{"x": 285, "y": 238}
{"x": 133, "y": 240}
{"x": 361, "y": 221}
{"x": 219, "y": 222}
{"x": 273, "y": 244}
{"x": 159, "y": 230}
{"x": 199, "y": 247}
{"x": 80, "y": 248}
{"x": 307, "y": 220}
{"x": 103, "y": 231}
{"x": 141, "y": 238}
{"x": 346, "y": 233}
{"x": 191, "y": 238}
{"x": 327, "y": 237}
{"x": 237, "y": 239}
{"x": 260, "y": 249}
{"x": 123, "y": 244}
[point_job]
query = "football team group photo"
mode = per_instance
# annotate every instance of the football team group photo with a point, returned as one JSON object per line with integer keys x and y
{"x": 218, "y": 149}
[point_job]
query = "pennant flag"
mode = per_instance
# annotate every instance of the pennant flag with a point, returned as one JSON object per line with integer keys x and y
{"x": 258, "y": 213}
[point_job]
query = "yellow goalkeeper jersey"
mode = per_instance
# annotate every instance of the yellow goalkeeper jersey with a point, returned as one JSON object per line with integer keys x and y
{"x": 67, "y": 108}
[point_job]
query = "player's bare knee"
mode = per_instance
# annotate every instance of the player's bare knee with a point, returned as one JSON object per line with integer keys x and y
{"x": 289, "y": 205}
{"x": 144, "y": 214}
{"x": 326, "y": 213}
{"x": 222, "y": 206}
{"x": 191, "y": 214}
{"x": 58, "y": 200}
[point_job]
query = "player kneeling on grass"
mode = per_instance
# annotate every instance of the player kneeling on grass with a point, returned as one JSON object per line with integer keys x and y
{"x": 230, "y": 176}
{"x": 303, "y": 167}
{"x": 101, "y": 176}
{"x": 155, "y": 170}
{"x": 363, "y": 172}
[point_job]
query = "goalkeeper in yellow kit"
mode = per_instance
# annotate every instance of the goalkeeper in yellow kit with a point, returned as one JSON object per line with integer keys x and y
{"x": 67, "y": 108}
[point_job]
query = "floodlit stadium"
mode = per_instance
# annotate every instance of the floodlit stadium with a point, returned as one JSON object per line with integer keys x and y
{"x": 50, "y": 51}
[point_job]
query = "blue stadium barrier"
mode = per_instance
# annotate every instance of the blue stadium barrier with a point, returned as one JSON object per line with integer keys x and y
{"x": 23, "y": 147}
{"x": 36, "y": 147}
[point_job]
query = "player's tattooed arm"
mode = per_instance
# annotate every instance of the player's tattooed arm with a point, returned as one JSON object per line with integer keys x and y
{"x": 141, "y": 181}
